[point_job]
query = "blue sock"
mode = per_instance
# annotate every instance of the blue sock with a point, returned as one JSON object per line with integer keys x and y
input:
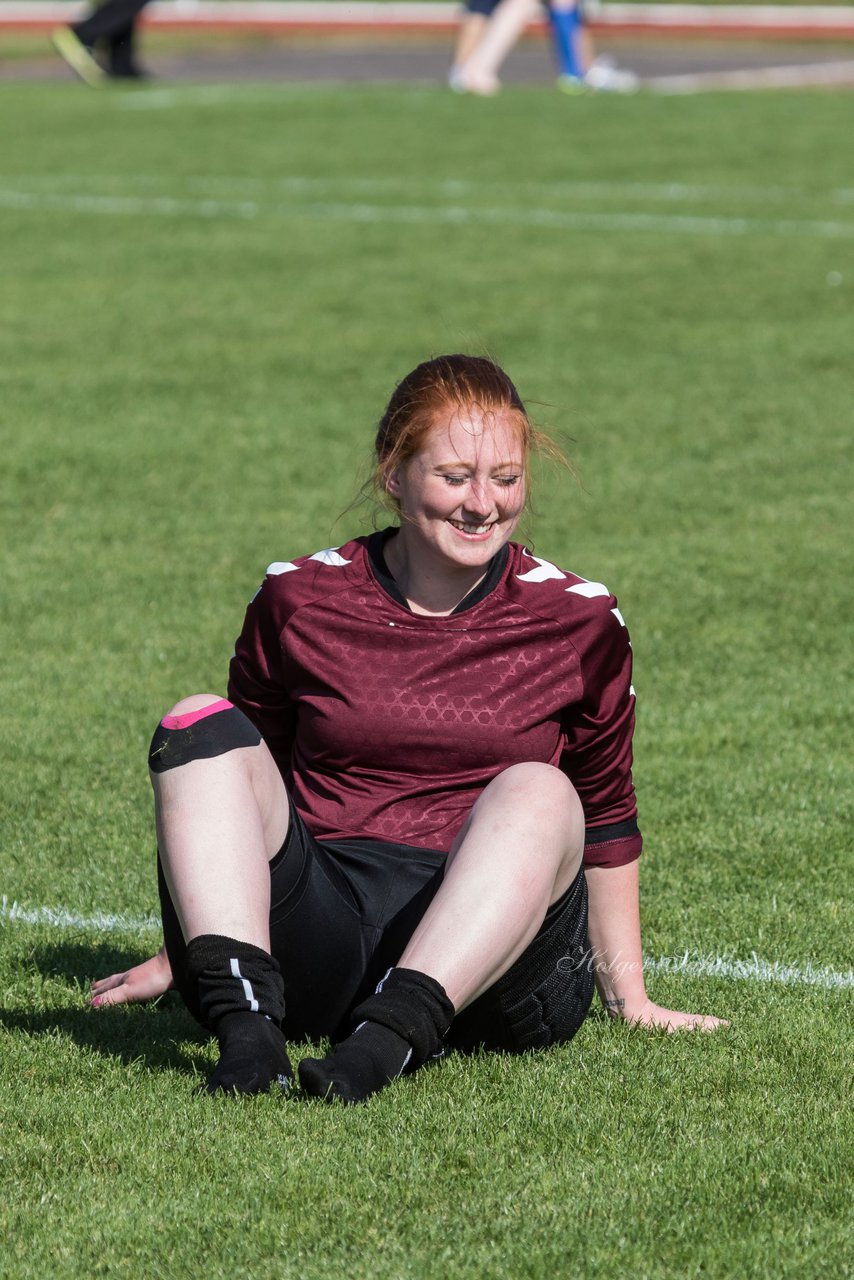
{"x": 566, "y": 25}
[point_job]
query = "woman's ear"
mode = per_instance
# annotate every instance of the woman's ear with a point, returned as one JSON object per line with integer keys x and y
{"x": 392, "y": 484}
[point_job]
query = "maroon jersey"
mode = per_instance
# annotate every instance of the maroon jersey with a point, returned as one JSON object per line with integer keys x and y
{"x": 387, "y": 724}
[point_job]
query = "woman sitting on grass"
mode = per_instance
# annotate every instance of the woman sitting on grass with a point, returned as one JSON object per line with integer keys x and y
{"x": 388, "y": 832}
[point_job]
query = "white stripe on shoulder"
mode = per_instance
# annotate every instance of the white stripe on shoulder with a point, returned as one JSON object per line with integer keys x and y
{"x": 544, "y": 570}
{"x": 329, "y": 556}
{"x": 619, "y": 617}
{"x": 589, "y": 589}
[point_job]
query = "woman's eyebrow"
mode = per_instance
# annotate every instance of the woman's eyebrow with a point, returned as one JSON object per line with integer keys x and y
{"x": 471, "y": 466}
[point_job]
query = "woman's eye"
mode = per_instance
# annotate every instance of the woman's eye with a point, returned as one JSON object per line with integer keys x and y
{"x": 506, "y": 482}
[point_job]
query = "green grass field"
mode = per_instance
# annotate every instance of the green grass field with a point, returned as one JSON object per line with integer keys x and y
{"x": 207, "y": 295}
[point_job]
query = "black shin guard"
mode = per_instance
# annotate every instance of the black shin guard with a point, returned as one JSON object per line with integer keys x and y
{"x": 399, "y": 1028}
{"x": 241, "y": 999}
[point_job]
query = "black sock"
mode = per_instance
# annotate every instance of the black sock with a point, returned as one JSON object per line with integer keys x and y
{"x": 398, "y": 1029}
{"x": 241, "y": 999}
{"x": 253, "y": 1056}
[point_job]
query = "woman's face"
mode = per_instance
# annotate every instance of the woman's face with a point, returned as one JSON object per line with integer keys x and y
{"x": 462, "y": 494}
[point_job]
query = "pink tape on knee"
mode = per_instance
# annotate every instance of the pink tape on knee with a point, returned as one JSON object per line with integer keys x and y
{"x": 190, "y": 717}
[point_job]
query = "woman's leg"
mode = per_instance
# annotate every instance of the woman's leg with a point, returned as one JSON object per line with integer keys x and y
{"x": 479, "y": 74}
{"x": 519, "y": 851}
{"x": 473, "y": 24}
{"x": 221, "y": 811}
{"x": 568, "y": 40}
{"x": 220, "y": 819}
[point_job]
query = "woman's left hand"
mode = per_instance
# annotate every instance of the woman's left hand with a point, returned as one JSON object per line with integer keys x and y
{"x": 654, "y": 1016}
{"x": 615, "y": 939}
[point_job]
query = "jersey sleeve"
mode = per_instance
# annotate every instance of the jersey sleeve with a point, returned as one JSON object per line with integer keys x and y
{"x": 256, "y": 682}
{"x": 599, "y": 728}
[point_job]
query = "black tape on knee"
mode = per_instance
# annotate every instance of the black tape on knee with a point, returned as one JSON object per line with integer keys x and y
{"x": 212, "y": 735}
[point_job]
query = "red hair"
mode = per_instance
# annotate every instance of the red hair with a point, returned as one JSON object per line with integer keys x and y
{"x": 443, "y": 386}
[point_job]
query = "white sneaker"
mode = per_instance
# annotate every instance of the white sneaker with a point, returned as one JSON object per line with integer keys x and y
{"x": 481, "y": 84}
{"x": 604, "y": 77}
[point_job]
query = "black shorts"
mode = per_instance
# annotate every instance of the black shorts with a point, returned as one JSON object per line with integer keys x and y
{"x": 341, "y": 913}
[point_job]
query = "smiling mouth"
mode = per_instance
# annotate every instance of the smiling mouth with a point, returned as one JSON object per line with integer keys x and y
{"x": 472, "y": 529}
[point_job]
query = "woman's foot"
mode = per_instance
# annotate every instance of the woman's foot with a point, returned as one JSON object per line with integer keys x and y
{"x": 481, "y": 84}
{"x": 399, "y": 1028}
{"x": 253, "y": 1057}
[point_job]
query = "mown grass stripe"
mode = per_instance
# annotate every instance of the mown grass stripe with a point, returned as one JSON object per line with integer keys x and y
{"x": 690, "y": 963}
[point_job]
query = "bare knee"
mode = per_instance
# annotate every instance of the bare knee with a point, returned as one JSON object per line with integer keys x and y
{"x": 530, "y": 796}
{"x": 540, "y": 785}
{"x": 552, "y": 809}
{"x": 531, "y": 807}
{"x": 195, "y": 702}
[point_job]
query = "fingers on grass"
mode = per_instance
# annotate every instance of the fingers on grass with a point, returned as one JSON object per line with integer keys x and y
{"x": 106, "y": 991}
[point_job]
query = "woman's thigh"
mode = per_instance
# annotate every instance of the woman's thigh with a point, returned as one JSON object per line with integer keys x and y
{"x": 545, "y": 995}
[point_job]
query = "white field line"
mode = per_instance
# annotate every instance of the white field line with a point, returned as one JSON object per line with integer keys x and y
{"x": 797, "y": 77}
{"x": 448, "y": 188}
{"x": 423, "y": 215}
{"x": 60, "y": 918}
{"x": 755, "y": 969}
{"x": 690, "y": 963}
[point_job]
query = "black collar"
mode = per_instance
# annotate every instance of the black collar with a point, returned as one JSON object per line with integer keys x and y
{"x": 376, "y": 554}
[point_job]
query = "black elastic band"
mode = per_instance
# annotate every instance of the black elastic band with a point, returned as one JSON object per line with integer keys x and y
{"x": 615, "y": 831}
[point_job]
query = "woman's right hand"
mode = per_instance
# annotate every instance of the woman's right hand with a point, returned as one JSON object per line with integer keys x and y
{"x": 144, "y": 981}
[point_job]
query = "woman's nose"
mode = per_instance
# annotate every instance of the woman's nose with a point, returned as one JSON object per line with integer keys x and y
{"x": 478, "y": 499}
